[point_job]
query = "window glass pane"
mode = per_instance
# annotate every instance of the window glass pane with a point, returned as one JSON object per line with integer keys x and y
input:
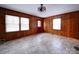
{"x": 39, "y": 23}
{"x": 12, "y": 23}
{"x": 24, "y": 23}
{"x": 57, "y": 23}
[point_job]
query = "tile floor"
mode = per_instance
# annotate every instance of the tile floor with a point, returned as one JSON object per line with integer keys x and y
{"x": 43, "y": 43}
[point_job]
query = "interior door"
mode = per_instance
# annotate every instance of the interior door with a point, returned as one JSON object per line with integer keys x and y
{"x": 40, "y": 25}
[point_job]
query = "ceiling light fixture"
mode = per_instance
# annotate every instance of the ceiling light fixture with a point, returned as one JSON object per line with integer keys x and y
{"x": 42, "y": 8}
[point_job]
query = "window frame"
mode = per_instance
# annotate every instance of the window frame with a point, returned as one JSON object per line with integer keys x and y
{"x": 39, "y": 23}
{"x": 60, "y": 24}
{"x": 19, "y": 23}
{"x": 6, "y": 24}
{"x": 28, "y": 25}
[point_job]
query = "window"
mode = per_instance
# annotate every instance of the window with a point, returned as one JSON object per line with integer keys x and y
{"x": 57, "y": 24}
{"x": 39, "y": 23}
{"x": 12, "y": 23}
{"x": 24, "y": 23}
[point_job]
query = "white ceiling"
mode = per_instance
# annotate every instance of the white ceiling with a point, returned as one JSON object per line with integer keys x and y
{"x": 51, "y": 9}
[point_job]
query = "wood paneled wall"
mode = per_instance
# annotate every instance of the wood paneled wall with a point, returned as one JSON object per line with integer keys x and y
{"x": 14, "y": 35}
{"x": 70, "y": 25}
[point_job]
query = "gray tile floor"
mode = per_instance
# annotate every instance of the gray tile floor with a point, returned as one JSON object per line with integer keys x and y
{"x": 43, "y": 43}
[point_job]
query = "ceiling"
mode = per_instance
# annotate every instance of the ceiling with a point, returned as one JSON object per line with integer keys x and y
{"x": 51, "y": 9}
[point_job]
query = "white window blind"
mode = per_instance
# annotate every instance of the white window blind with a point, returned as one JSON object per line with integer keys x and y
{"x": 24, "y": 23}
{"x": 57, "y": 24}
{"x": 12, "y": 23}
